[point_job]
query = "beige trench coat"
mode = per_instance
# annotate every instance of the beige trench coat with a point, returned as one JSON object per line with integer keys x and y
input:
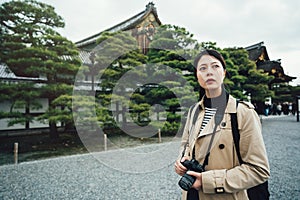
{"x": 223, "y": 169}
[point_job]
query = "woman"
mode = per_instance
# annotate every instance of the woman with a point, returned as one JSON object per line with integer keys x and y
{"x": 209, "y": 139}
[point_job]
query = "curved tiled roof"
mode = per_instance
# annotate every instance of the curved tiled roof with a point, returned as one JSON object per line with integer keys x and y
{"x": 274, "y": 68}
{"x": 256, "y": 50}
{"x": 7, "y": 74}
{"x": 123, "y": 26}
{"x": 258, "y": 53}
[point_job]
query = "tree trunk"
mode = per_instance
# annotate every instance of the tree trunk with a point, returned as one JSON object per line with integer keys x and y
{"x": 124, "y": 120}
{"x": 117, "y": 112}
{"x": 27, "y": 113}
{"x": 53, "y": 131}
{"x": 52, "y": 125}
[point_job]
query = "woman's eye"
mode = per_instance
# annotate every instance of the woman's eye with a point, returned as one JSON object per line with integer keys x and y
{"x": 215, "y": 66}
{"x": 202, "y": 69}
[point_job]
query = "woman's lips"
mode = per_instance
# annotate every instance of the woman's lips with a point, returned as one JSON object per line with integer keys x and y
{"x": 210, "y": 80}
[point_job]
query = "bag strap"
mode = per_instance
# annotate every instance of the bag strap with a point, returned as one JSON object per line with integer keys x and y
{"x": 209, "y": 147}
{"x": 236, "y": 134}
{"x": 218, "y": 119}
{"x": 260, "y": 191}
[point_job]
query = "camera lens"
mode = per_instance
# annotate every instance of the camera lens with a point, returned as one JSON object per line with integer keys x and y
{"x": 186, "y": 182}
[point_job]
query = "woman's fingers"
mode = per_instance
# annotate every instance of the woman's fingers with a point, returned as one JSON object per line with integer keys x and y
{"x": 198, "y": 183}
{"x": 179, "y": 168}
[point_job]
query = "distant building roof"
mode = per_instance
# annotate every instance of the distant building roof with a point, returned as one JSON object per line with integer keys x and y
{"x": 258, "y": 53}
{"x": 7, "y": 74}
{"x": 123, "y": 26}
{"x": 274, "y": 68}
{"x": 85, "y": 57}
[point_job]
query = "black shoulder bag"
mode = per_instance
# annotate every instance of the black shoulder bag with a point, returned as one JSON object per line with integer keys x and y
{"x": 261, "y": 191}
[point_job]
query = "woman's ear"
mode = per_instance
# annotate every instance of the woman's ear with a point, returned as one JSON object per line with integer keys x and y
{"x": 227, "y": 74}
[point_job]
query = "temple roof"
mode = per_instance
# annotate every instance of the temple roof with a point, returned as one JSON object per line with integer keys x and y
{"x": 257, "y": 52}
{"x": 7, "y": 74}
{"x": 123, "y": 26}
{"x": 274, "y": 68}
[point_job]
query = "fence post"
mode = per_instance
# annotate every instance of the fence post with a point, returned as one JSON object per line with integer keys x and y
{"x": 16, "y": 147}
{"x": 297, "y": 107}
{"x": 159, "y": 136}
{"x": 105, "y": 142}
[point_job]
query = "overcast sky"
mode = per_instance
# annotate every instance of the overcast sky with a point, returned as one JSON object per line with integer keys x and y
{"x": 229, "y": 23}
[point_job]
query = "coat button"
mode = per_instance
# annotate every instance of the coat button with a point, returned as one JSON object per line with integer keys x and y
{"x": 223, "y": 124}
{"x": 221, "y": 146}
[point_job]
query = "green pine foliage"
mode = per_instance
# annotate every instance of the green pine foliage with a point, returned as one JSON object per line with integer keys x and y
{"x": 174, "y": 47}
{"x": 248, "y": 81}
{"x": 114, "y": 56}
{"x": 160, "y": 85}
{"x": 31, "y": 47}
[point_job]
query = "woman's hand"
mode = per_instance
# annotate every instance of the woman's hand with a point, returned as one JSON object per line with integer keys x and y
{"x": 198, "y": 182}
{"x": 179, "y": 168}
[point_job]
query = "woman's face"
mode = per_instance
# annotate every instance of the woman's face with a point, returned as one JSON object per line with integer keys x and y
{"x": 210, "y": 75}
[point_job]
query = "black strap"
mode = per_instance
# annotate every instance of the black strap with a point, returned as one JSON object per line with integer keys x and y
{"x": 217, "y": 122}
{"x": 261, "y": 191}
{"x": 236, "y": 134}
{"x": 209, "y": 147}
{"x": 218, "y": 119}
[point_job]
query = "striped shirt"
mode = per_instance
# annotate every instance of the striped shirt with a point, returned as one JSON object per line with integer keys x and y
{"x": 208, "y": 115}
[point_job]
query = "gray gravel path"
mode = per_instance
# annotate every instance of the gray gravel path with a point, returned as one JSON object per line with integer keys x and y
{"x": 282, "y": 138}
{"x": 85, "y": 177}
{"x": 100, "y": 176}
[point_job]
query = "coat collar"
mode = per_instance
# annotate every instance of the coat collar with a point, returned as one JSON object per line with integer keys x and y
{"x": 230, "y": 108}
{"x": 231, "y": 105}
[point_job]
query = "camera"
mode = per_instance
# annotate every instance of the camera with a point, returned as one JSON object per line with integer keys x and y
{"x": 186, "y": 180}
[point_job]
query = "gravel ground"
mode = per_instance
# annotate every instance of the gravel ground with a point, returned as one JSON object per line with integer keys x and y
{"x": 282, "y": 137}
{"x": 95, "y": 176}
{"x": 144, "y": 172}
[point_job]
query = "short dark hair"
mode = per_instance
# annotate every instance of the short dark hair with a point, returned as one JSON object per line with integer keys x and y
{"x": 210, "y": 52}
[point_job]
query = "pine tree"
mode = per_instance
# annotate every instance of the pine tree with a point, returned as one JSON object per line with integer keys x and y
{"x": 31, "y": 47}
{"x": 115, "y": 56}
{"x": 171, "y": 53}
{"x": 251, "y": 81}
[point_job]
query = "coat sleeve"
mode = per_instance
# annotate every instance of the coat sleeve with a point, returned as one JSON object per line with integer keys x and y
{"x": 184, "y": 146}
{"x": 254, "y": 171}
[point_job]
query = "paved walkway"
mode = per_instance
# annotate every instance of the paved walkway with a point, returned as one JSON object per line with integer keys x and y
{"x": 151, "y": 175}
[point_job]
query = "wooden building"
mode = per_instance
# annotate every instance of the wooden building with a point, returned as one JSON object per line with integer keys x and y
{"x": 142, "y": 26}
{"x": 258, "y": 53}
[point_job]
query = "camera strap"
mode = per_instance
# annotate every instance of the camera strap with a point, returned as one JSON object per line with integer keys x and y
{"x": 208, "y": 149}
{"x": 220, "y": 105}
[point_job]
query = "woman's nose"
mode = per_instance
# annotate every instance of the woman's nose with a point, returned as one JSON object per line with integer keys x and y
{"x": 209, "y": 71}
